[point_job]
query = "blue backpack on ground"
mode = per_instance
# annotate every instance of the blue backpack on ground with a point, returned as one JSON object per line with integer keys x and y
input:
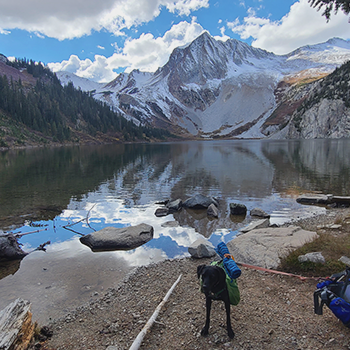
{"x": 335, "y": 293}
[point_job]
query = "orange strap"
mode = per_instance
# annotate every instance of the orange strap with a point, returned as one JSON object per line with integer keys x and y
{"x": 229, "y": 256}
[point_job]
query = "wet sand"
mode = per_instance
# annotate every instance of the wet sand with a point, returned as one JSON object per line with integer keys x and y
{"x": 56, "y": 281}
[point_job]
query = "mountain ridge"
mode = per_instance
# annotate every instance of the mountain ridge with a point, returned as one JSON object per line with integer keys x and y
{"x": 212, "y": 88}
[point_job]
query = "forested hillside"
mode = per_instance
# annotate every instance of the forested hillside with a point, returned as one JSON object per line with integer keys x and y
{"x": 36, "y": 108}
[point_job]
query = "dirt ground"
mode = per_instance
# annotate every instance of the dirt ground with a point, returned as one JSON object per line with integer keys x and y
{"x": 275, "y": 312}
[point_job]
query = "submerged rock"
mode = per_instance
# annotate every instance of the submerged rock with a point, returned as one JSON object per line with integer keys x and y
{"x": 213, "y": 211}
{"x": 175, "y": 205}
{"x": 259, "y": 212}
{"x": 161, "y": 212}
{"x": 125, "y": 238}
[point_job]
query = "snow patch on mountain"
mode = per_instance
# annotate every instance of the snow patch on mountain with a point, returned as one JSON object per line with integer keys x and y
{"x": 78, "y": 82}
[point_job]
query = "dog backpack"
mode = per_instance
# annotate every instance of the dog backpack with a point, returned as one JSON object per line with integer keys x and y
{"x": 335, "y": 293}
{"x": 232, "y": 272}
{"x": 232, "y": 287}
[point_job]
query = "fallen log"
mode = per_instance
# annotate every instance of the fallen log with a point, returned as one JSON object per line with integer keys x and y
{"x": 137, "y": 342}
{"x": 322, "y": 199}
{"x": 16, "y": 327}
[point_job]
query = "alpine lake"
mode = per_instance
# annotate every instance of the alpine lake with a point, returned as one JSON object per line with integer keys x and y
{"x": 60, "y": 194}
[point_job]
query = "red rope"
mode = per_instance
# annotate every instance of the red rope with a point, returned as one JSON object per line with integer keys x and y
{"x": 302, "y": 278}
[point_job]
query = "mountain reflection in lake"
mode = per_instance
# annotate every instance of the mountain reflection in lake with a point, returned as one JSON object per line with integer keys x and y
{"x": 91, "y": 187}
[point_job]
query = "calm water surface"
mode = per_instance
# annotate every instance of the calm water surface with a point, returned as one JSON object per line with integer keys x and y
{"x": 59, "y": 194}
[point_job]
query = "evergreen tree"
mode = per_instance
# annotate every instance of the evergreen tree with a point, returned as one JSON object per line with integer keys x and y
{"x": 330, "y": 6}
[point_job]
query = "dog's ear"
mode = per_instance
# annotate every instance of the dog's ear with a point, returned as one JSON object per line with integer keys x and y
{"x": 199, "y": 270}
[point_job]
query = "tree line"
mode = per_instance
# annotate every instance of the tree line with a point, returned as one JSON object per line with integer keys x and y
{"x": 56, "y": 110}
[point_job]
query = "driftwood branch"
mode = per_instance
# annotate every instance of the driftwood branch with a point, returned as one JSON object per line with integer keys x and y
{"x": 42, "y": 246}
{"x": 137, "y": 342}
{"x": 19, "y": 234}
{"x": 68, "y": 227}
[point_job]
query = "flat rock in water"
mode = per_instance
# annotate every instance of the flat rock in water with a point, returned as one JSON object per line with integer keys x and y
{"x": 264, "y": 247}
{"x": 259, "y": 212}
{"x": 125, "y": 238}
{"x": 263, "y": 223}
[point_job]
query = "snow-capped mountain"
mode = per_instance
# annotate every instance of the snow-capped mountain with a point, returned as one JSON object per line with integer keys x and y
{"x": 213, "y": 88}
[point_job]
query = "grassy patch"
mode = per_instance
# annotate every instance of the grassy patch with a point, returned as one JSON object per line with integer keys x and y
{"x": 332, "y": 248}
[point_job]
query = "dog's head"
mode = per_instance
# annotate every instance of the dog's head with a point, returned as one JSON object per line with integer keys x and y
{"x": 213, "y": 278}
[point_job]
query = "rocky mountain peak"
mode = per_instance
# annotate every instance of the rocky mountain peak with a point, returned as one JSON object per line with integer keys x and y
{"x": 213, "y": 88}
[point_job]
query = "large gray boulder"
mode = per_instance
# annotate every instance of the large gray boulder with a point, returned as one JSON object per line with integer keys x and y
{"x": 265, "y": 246}
{"x": 199, "y": 201}
{"x": 125, "y": 238}
{"x": 201, "y": 248}
{"x": 10, "y": 249}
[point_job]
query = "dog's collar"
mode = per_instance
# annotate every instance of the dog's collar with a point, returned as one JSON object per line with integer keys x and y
{"x": 216, "y": 295}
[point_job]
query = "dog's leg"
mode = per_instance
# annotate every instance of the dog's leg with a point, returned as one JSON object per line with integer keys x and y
{"x": 207, "y": 321}
{"x": 230, "y": 332}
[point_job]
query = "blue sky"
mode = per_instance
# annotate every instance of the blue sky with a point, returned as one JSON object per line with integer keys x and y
{"x": 99, "y": 39}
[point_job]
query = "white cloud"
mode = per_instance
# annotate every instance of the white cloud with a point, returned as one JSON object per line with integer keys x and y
{"x": 4, "y": 32}
{"x": 301, "y": 26}
{"x": 146, "y": 53}
{"x": 68, "y": 19}
{"x": 185, "y": 7}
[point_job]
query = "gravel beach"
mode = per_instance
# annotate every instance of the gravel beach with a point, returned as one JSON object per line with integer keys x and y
{"x": 275, "y": 312}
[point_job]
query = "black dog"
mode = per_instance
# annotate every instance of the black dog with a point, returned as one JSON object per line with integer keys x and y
{"x": 213, "y": 285}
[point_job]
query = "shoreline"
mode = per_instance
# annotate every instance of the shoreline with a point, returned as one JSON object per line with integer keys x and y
{"x": 275, "y": 311}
